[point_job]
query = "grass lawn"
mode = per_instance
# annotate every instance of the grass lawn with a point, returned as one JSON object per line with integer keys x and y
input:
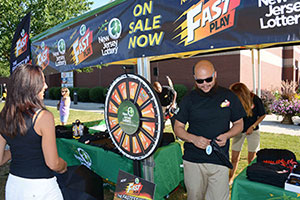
{"x": 83, "y": 116}
{"x": 268, "y": 140}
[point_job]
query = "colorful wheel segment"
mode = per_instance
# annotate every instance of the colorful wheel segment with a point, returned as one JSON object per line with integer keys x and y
{"x": 133, "y": 116}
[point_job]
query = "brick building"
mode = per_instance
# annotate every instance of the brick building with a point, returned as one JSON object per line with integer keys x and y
{"x": 277, "y": 64}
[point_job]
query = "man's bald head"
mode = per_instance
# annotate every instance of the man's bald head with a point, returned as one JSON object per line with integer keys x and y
{"x": 204, "y": 65}
{"x": 204, "y": 70}
{"x": 157, "y": 86}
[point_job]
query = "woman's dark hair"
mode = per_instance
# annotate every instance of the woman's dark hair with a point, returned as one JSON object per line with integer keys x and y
{"x": 24, "y": 85}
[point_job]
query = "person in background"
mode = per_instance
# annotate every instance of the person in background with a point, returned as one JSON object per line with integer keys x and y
{"x": 28, "y": 128}
{"x": 64, "y": 105}
{"x": 208, "y": 110}
{"x": 167, "y": 97}
{"x": 255, "y": 110}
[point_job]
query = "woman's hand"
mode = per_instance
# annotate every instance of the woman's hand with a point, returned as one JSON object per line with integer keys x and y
{"x": 64, "y": 167}
{"x": 250, "y": 130}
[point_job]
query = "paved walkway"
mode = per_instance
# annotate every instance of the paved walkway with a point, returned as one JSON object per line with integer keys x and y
{"x": 91, "y": 107}
{"x": 270, "y": 124}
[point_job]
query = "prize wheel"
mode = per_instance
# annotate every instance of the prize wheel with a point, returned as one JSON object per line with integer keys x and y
{"x": 133, "y": 116}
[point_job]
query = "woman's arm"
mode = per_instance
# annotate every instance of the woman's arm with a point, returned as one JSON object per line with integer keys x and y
{"x": 5, "y": 155}
{"x": 251, "y": 128}
{"x": 260, "y": 119}
{"x": 237, "y": 127}
{"x": 46, "y": 128}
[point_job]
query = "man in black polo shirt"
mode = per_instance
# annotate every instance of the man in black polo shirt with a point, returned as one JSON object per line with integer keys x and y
{"x": 208, "y": 110}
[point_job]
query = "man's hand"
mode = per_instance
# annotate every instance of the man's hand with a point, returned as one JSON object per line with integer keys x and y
{"x": 174, "y": 106}
{"x": 200, "y": 142}
{"x": 221, "y": 140}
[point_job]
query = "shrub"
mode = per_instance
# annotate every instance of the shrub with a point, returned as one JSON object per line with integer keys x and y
{"x": 105, "y": 92}
{"x": 83, "y": 94}
{"x": 72, "y": 92}
{"x": 285, "y": 106}
{"x": 297, "y": 96}
{"x": 54, "y": 93}
{"x": 96, "y": 94}
{"x": 51, "y": 93}
{"x": 267, "y": 98}
{"x": 288, "y": 89}
{"x": 287, "y": 103}
{"x": 181, "y": 91}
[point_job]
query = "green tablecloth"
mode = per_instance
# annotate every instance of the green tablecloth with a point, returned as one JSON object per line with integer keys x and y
{"x": 244, "y": 189}
{"x": 167, "y": 172}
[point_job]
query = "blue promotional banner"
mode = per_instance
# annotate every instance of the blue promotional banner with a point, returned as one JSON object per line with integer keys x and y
{"x": 20, "y": 48}
{"x": 160, "y": 29}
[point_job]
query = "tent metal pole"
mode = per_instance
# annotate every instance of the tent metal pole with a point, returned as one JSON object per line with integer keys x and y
{"x": 253, "y": 71}
{"x": 259, "y": 74}
{"x": 148, "y": 168}
{"x": 143, "y": 69}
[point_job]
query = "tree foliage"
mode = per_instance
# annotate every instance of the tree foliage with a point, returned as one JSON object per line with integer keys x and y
{"x": 44, "y": 15}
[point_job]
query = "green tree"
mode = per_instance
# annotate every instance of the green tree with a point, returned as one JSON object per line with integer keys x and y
{"x": 44, "y": 15}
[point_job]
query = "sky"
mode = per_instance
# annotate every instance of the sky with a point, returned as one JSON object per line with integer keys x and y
{"x": 99, "y": 3}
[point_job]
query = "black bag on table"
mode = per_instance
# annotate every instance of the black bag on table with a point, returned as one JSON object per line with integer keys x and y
{"x": 282, "y": 157}
{"x": 272, "y": 166}
{"x": 88, "y": 138}
{"x": 106, "y": 144}
{"x": 273, "y": 174}
{"x": 80, "y": 183}
{"x": 63, "y": 132}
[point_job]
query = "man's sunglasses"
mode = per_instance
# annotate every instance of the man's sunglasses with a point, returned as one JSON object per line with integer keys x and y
{"x": 207, "y": 80}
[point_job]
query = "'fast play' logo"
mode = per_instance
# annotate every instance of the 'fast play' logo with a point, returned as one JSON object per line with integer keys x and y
{"x": 134, "y": 188}
{"x": 82, "y": 47}
{"x": 43, "y": 56}
{"x": 206, "y": 18}
{"x": 21, "y": 45}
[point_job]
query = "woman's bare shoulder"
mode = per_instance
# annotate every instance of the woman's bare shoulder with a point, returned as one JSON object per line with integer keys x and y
{"x": 45, "y": 120}
{"x": 45, "y": 115}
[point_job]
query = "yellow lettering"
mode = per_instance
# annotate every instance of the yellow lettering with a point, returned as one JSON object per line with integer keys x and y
{"x": 140, "y": 42}
{"x": 147, "y": 7}
{"x": 156, "y": 39}
{"x": 131, "y": 25}
{"x": 138, "y": 26}
{"x": 156, "y": 22}
{"x": 132, "y": 42}
{"x": 137, "y": 11}
{"x": 147, "y": 28}
{"x": 145, "y": 40}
